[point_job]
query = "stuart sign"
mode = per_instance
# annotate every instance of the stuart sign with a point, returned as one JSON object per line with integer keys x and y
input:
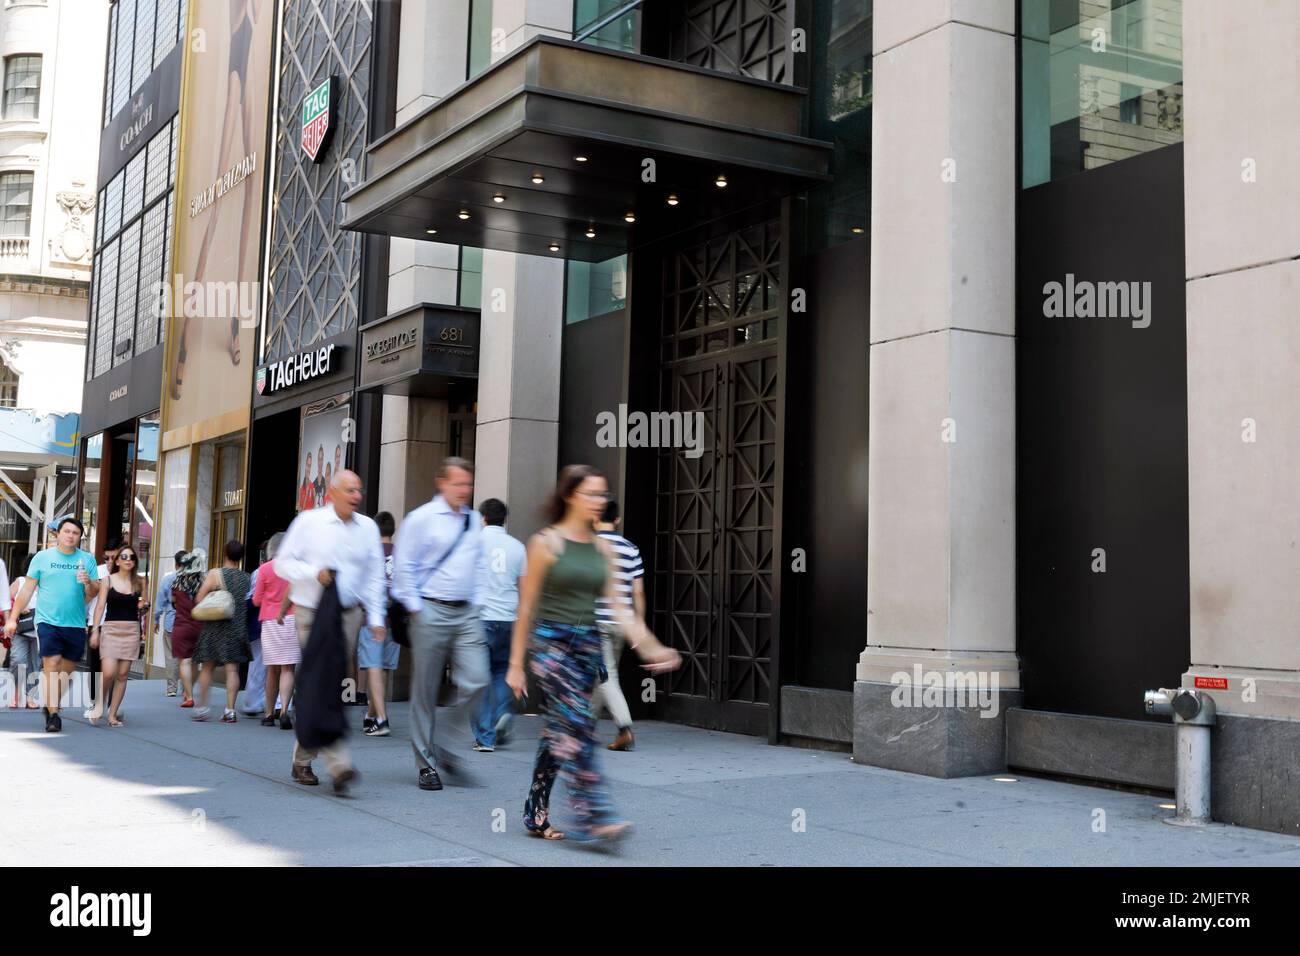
{"x": 295, "y": 370}
{"x": 318, "y": 111}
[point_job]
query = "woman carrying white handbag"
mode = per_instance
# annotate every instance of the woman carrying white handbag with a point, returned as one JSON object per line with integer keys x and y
{"x": 220, "y": 605}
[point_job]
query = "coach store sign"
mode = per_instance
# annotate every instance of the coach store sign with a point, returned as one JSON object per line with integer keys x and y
{"x": 420, "y": 349}
{"x": 149, "y": 111}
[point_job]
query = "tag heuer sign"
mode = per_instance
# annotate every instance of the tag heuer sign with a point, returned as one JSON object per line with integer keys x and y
{"x": 318, "y": 118}
{"x": 295, "y": 370}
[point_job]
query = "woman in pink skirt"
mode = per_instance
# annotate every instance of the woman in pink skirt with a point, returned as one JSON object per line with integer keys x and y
{"x": 118, "y": 637}
{"x": 280, "y": 649}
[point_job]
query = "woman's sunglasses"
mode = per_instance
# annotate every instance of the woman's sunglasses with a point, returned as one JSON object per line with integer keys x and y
{"x": 126, "y": 557}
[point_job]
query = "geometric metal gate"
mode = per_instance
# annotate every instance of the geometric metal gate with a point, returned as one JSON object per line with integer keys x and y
{"x": 715, "y": 506}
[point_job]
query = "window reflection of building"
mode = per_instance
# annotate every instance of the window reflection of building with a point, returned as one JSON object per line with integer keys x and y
{"x": 840, "y": 97}
{"x": 92, "y": 459}
{"x": 1102, "y": 82}
{"x": 595, "y": 288}
{"x": 144, "y": 502}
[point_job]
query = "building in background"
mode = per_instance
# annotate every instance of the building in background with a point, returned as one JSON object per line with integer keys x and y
{"x": 216, "y": 280}
{"x": 50, "y": 54}
{"x": 830, "y": 230}
{"x": 135, "y": 197}
{"x": 828, "y": 234}
{"x": 323, "y": 283}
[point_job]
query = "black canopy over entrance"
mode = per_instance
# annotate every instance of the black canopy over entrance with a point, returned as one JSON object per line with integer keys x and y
{"x": 561, "y": 147}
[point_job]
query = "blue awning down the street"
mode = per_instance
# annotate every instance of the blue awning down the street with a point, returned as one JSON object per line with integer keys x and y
{"x": 26, "y": 437}
{"x": 568, "y": 150}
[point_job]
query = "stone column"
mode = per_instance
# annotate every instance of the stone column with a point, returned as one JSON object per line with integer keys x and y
{"x": 941, "y": 514}
{"x": 414, "y": 433}
{"x": 519, "y": 384}
{"x": 1242, "y": 197}
{"x": 519, "y": 360}
{"x": 515, "y": 22}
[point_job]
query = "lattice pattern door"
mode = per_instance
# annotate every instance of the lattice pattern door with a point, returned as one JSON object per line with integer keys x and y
{"x": 750, "y": 523}
{"x": 715, "y": 516}
{"x": 687, "y": 589}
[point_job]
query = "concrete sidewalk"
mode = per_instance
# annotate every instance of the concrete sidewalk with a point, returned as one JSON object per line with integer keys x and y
{"x": 164, "y": 790}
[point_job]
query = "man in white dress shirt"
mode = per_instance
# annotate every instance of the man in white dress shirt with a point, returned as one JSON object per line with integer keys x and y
{"x": 334, "y": 543}
{"x": 435, "y": 564}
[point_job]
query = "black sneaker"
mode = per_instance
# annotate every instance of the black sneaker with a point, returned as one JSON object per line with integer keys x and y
{"x": 366, "y": 724}
{"x": 53, "y": 722}
{"x": 429, "y": 779}
{"x": 378, "y": 728}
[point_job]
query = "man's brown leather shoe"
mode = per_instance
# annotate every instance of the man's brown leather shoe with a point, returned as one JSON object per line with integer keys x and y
{"x": 304, "y": 776}
{"x": 624, "y": 740}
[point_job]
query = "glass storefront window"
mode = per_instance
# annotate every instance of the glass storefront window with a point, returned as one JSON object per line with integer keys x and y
{"x": 608, "y": 23}
{"x": 480, "y": 38}
{"x": 471, "y": 278}
{"x": 145, "y": 504}
{"x": 228, "y": 500}
{"x": 123, "y": 475}
{"x": 1102, "y": 80}
{"x": 92, "y": 457}
{"x": 595, "y": 288}
{"x": 840, "y": 97}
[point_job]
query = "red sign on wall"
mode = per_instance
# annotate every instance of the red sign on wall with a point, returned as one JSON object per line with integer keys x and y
{"x": 1212, "y": 683}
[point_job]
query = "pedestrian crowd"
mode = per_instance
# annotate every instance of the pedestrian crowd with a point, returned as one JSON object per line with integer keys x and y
{"x": 333, "y": 602}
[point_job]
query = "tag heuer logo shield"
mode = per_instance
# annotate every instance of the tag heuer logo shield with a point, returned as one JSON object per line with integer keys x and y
{"x": 261, "y": 380}
{"x": 318, "y": 118}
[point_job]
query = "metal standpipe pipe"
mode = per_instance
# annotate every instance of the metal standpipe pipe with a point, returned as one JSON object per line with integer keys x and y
{"x": 1194, "y": 713}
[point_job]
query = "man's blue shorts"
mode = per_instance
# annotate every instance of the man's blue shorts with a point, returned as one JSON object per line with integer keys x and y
{"x": 376, "y": 655}
{"x": 66, "y": 642}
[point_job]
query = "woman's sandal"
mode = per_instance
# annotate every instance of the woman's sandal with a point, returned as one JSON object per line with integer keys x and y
{"x": 114, "y": 722}
{"x": 547, "y": 832}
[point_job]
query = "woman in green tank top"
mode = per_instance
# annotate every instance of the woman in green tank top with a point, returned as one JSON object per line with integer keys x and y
{"x": 569, "y": 569}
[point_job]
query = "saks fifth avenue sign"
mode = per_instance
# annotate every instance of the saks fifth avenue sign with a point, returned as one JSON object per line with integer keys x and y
{"x": 295, "y": 370}
{"x": 228, "y": 180}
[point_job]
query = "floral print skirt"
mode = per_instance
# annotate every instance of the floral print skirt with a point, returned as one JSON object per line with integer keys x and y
{"x": 567, "y": 663}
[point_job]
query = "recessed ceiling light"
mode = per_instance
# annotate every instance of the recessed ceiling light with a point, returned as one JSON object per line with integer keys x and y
{"x": 1167, "y": 806}
{"x": 1006, "y": 779}
{"x": 857, "y": 230}
{"x": 673, "y": 200}
{"x": 431, "y": 232}
{"x": 630, "y": 217}
{"x": 499, "y": 197}
{"x": 591, "y": 232}
{"x": 721, "y": 181}
{"x": 580, "y": 159}
{"x": 555, "y": 247}
{"x": 464, "y": 214}
{"x": 538, "y": 179}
